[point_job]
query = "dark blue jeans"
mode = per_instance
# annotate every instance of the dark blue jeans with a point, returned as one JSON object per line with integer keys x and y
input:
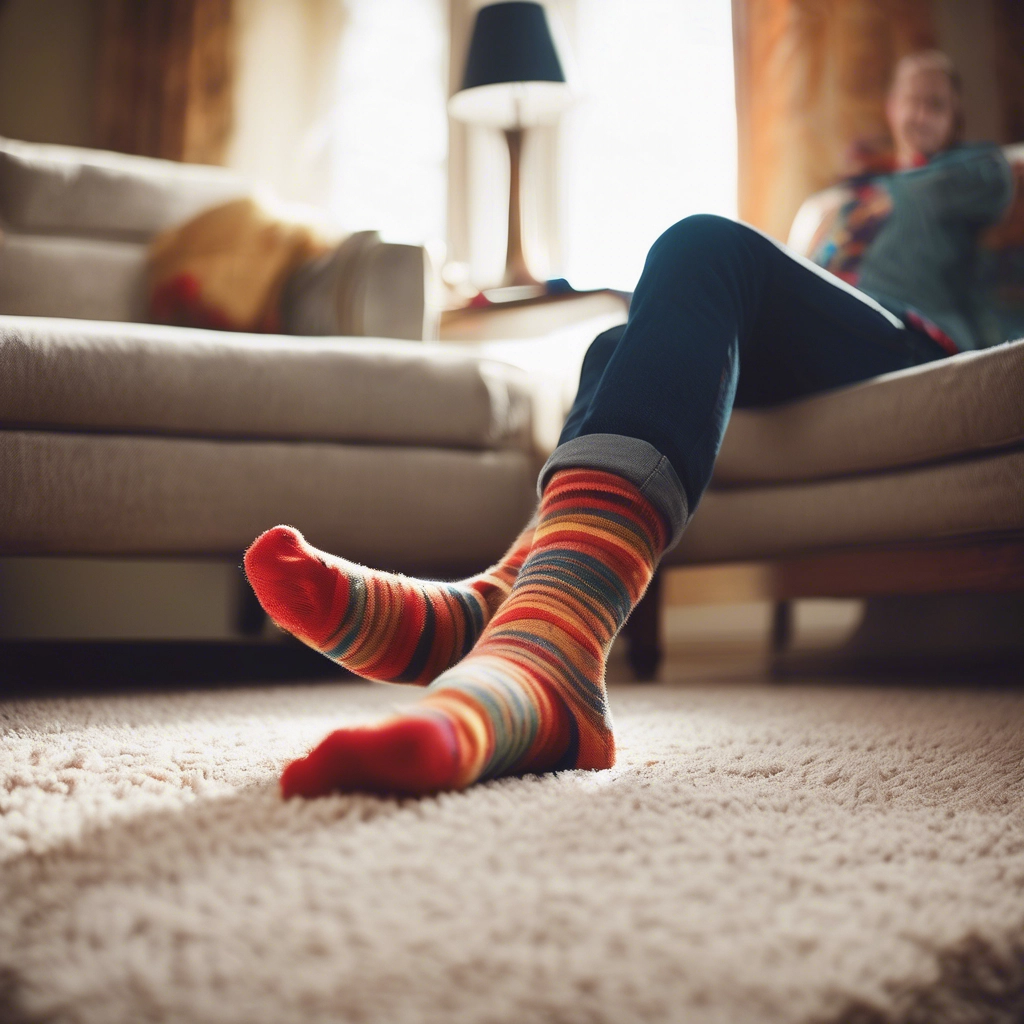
{"x": 722, "y": 317}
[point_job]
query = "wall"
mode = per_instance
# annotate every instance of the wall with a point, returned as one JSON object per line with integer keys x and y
{"x": 48, "y": 63}
{"x": 48, "y": 70}
{"x": 286, "y": 52}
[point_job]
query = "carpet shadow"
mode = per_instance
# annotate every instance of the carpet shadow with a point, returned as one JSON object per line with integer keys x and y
{"x": 978, "y": 983}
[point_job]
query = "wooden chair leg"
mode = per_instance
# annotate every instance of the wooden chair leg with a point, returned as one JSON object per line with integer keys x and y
{"x": 644, "y": 648}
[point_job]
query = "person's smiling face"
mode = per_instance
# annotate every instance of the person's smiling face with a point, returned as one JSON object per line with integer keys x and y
{"x": 922, "y": 111}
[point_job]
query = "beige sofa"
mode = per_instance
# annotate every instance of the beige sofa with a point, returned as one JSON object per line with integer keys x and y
{"x": 76, "y": 224}
{"x": 126, "y": 443}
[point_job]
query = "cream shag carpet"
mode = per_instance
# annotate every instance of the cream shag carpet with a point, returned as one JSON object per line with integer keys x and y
{"x": 787, "y": 854}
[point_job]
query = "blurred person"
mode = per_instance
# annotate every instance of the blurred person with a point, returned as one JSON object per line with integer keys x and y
{"x": 905, "y": 228}
{"x": 723, "y": 316}
{"x": 924, "y": 115}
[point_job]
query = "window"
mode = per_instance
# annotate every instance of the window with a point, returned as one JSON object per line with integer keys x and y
{"x": 653, "y": 137}
{"x": 389, "y": 140}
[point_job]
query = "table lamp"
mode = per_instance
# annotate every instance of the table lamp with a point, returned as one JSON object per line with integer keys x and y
{"x": 513, "y": 80}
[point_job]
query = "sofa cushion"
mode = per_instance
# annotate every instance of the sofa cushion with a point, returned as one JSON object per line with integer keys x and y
{"x": 964, "y": 499}
{"x": 416, "y": 509}
{"x": 967, "y": 403}
{"x": 407, "y": 509}
{"x": 90, "y": 376}
{"x": 72, "y": 191}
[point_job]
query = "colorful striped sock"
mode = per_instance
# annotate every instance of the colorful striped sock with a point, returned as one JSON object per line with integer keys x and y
{"x": 531, "y": 695}
{"x": 378, "y": 625}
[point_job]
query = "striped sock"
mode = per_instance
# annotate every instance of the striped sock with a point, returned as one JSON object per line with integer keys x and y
{"x": 378, "y": 625}
{"x": 530, "y": 696}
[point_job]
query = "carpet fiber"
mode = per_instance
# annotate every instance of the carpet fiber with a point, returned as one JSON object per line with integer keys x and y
{"x": 797, "y": 854}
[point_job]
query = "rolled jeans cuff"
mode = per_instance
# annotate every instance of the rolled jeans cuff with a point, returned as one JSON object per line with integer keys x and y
{"x": 636, "y": 461}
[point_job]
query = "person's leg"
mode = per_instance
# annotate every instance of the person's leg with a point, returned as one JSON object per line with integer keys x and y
{"x": 530, "y": 696}
{"x": 721, "y": 314}
{"x": 379, "y": 625}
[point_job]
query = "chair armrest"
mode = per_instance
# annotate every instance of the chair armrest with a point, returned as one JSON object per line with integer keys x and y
{"x": 815, "y": 211}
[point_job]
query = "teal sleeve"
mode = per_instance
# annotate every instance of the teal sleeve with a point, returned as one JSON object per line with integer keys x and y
{"x": 973, "y": 185}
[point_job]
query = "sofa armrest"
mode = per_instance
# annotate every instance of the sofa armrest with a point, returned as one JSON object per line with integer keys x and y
{"x": 363, "y": 287}
{"x": 69, "y": 191}
{"x": 391, "y": 295}
{"x": 67, "y": 204}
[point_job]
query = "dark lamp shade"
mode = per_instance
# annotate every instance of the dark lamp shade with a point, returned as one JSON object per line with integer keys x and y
{"x": 513, "y": 76}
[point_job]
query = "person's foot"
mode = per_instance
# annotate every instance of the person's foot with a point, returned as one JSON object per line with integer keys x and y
{"x": 409, "y": 755}
{"x": 530, "y": 696}
{"x": 378, "y": 625}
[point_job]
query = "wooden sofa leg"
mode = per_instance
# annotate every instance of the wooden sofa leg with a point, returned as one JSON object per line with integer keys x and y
{"x": 782, "y": 627}
{"x": 644, "y": 650}
{"x": 249, "y": 616}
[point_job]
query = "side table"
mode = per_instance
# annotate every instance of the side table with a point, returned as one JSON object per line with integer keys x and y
{"x": 529, "y": 317}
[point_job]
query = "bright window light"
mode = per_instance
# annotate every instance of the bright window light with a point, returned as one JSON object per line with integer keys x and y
{"x": 390, "y": 136}
{"x": 653, "y": 137}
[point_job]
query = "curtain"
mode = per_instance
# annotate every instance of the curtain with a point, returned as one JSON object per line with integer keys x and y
{"x": 811, "y": 79}
{"x": 164, "y": 81}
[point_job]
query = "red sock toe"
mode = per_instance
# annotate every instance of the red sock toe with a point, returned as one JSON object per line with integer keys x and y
{"x": 298, "y": 590}
{"x": 407, "y": 756}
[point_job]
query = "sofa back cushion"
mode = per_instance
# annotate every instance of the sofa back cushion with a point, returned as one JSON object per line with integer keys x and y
{"x": 65, "y": 190}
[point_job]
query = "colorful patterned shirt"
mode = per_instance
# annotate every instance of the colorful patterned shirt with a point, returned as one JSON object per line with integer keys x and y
{"x": 909, "y": 240}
